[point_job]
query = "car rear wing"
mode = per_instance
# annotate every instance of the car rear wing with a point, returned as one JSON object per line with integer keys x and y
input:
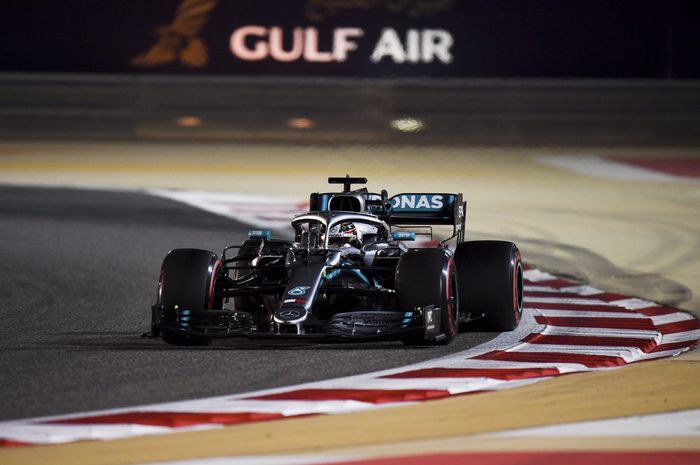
{"x": 402, "y": 210}
{"x": 428, "y": 209}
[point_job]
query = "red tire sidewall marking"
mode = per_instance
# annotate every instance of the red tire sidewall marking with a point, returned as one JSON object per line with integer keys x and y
{"x": 516, "y": 267}
{"x": 448, "y": 292}
{"x": 212, "y": 281}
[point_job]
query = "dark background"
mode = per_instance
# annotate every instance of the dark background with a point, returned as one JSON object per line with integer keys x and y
{"x": 493, "y": 38}
{"x": 524, "y": 73}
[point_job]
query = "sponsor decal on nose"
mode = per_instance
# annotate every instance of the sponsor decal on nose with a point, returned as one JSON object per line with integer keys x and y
{"x": 299, "y": 290}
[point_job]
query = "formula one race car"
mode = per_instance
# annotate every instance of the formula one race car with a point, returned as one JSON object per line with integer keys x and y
{"x": 348, "y": 275}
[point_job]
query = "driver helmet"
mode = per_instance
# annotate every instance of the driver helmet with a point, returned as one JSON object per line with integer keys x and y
{"x": 344, "y": 233}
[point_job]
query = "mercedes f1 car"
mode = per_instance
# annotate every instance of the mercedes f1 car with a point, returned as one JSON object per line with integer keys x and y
{"x": 354, "y": 272}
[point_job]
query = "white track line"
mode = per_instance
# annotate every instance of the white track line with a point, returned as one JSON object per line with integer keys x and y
{"x": 583, "y": 314}
{"x": 603, "y": 168}
{"x": 673, "y": 424}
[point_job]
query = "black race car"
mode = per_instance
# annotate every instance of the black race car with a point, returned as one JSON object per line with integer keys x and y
{"x": 348, "y": 275}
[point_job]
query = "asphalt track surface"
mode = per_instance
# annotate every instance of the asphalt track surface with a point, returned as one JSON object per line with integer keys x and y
{"x": 78, "y": 276}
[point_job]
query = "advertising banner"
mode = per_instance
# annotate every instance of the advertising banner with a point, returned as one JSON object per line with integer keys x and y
{"x": 354, "y": 38}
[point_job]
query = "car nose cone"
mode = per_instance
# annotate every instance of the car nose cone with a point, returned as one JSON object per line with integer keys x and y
{"x": 291, "y": 316}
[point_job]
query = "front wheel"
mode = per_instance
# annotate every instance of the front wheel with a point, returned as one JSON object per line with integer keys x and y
{"x": 491, "y": 282}
{"x": 187, "y": 281}
{"x": 429, "y": 277}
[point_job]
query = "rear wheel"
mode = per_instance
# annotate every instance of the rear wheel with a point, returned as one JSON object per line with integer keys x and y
{"x": 187, "y": 280}
{"x": 429, "y": 277}
{"x": 491, "y": 282}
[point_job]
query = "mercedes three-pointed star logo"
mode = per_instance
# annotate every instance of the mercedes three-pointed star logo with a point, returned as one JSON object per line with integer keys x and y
{"x": 290, "y": 314}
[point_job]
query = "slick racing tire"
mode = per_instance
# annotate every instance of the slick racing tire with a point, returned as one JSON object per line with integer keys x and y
{"x": 187, "y": 279}
{"x": 429, "y": 277}
{"x": 491, "y": 283}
